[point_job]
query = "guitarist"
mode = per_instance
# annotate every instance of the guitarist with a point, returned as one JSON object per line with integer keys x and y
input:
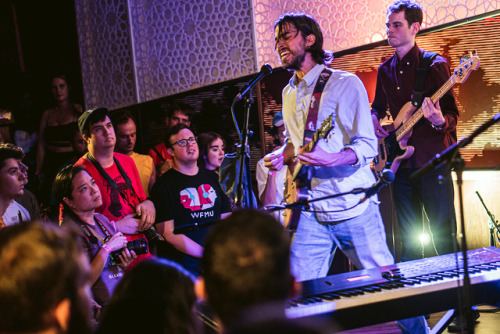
{"x": 334, "y": 166}
{"x": 432, "y": 134}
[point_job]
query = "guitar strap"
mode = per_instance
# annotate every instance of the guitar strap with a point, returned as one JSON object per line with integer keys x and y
{"x": 312, "y": 120}
{"x": 423, "y": 67}
{"x": 312, "y": 116}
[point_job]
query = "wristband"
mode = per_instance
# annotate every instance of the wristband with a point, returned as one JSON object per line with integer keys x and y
{"x": 438, "y": 127}
{"x": 106, "y": 248}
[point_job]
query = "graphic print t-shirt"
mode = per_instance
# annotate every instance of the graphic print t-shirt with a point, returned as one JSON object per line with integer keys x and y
{"x": 189, "y": 200}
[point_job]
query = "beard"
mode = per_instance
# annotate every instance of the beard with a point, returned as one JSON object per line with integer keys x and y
{"x": 296, "y": 62}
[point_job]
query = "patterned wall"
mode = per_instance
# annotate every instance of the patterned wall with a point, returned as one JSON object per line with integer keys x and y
{"x": 105, "y": 53}
{"x": 350, "y": 23}
{"x": 134, "y": 51}
{"x": 180, "y": 45}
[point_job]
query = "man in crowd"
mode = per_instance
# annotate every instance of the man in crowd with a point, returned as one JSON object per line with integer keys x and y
{"x": 246, "y": 271}
{"x": 188, "y": 199}
{"x": 123, "y": 197}
{"x": 271, "y": 183}
{"x": 44, "y": 281}
{"x": 334, "y": 166}
{"x": 13, "y": 178}
{"x": 126, "y": 137}
{"x": 176, "y": 113}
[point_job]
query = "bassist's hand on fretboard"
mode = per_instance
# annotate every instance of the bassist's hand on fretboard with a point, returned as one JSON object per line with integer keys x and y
{"x": 433, "y": 113}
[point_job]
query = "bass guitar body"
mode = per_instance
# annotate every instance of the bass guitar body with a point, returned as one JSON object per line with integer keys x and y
{"x": 391, "y": 150}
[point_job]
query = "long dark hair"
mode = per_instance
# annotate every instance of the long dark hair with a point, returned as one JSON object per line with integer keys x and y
{"x": 205, "y": 140}
{"x": 306, "y": 25}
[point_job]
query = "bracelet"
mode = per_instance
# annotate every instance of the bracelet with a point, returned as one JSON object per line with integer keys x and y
{"x": 106, "y": 248}
{"x": 272, "y": 173}
{"x": 438, "y": 127}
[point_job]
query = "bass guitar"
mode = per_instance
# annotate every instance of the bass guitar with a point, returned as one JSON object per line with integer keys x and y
{"x": 295, "y": 186}
{"x": 394, "y": 148}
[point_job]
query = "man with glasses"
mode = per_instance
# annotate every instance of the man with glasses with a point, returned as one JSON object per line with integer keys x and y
{"x": 188, "y": 199}
{"x": 176, "y": 113}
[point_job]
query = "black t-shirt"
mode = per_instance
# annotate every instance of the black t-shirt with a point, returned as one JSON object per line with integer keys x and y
{"x": 189, "y": 200}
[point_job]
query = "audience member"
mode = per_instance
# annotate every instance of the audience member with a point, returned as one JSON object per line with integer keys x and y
{"x": 246, "y": 269}
{"x": 126, "y": 136}
{"x": 43, "y": 281}
{"x": 55, "y": 135}
{"x": 176, "y": 113}
{"x": 78, "y": 193}
{"x": 189, "y": 199}
{"x": 271, "y": 183}
{"x": 80, "y": 148}
{"x": 156, "y": 296}
{"x": 211, "y": 146}
{"x": 123, "y": 199}
{"x": 12, "y": 181}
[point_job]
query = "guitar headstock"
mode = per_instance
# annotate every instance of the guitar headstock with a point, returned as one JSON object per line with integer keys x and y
{"x": 467, "y": 64}
{"x": 325, "y": 127}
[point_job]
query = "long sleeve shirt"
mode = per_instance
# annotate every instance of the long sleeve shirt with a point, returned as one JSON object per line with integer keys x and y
{"x": 345, "y": 97}
{"x": 395, "y": 84}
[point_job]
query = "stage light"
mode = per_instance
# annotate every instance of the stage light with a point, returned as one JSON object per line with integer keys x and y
{"x": 424, "y": 238}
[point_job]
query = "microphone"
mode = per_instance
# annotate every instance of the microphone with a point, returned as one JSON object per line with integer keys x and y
{"x": 265, "y": 70}
{"x": 386, "y": 177}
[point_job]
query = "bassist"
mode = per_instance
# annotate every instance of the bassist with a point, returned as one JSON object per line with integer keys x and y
{"x": 432, "y": 134}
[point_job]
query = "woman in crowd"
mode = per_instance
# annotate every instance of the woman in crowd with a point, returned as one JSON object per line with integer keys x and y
{"x": 156, "y": 296}
{"x": 211, "y": 147}
{"x": 79, "y": 195}
{"x": 55, "y": 135}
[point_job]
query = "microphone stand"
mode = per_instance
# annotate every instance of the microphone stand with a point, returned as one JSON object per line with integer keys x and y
{"x": 458, "y": 163}
{"x": 492, "y": 223}
{"x": 306, "y": 201}
{"x": 244, "y": 159}
{"x": 452, "y": 157}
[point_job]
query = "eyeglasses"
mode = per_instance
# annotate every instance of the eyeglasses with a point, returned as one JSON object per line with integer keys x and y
{"x": 184, "y": 142}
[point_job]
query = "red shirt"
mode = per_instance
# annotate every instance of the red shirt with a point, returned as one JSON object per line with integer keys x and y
{"x": 162, "y": 149}
{"x": 114, "y": 206}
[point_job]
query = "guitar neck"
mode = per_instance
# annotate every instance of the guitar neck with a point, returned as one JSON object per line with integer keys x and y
{"x": 419, "y": 113}
{"x": 298, "y": 165}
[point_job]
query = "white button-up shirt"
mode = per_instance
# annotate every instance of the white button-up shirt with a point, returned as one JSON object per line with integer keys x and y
{"x": 345, "y": 97}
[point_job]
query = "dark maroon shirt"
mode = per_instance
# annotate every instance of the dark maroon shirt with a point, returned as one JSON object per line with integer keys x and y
{"x": 395, "y": 85}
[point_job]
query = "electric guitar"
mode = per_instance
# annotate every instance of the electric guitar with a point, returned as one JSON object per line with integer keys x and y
{"x": 295, "y": 187}
{"x": 393, "y": 148}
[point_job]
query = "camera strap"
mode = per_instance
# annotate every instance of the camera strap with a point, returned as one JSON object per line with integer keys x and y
{"x": 112, "y": 182}
{"x": 93, "y": 237}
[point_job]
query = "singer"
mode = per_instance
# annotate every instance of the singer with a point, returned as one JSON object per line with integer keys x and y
{"x": 334, "y": 166}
